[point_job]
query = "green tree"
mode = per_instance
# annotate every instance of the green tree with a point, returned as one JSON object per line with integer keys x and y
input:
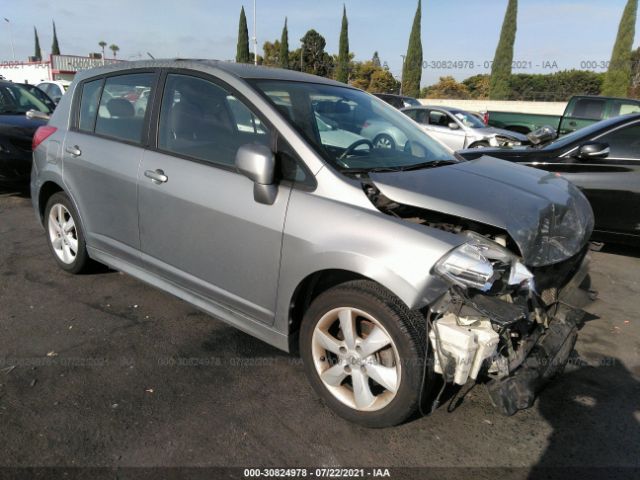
{"x": 635, "y": 74}
{"x": 102, "y": 44}
{"x": 37, "y": 52}
{"x": 115, "y": 49}
{"x": 499, "y": 88}
{"x": 448, "y": 88}
{"x": 412, "y": 67}
{"x": 618, "y": 78}
{"x": 272, "y": 53}
{"x": 342, "y": 69}
{"x": 55, "y": 46}
{"x": 382, "y": 81}
{"x": 284, "y": 46}
{"x": 376, "y": 59}
{"x": 242, "y": 51}
{"x": 478, "y": 86}
{"x": 314, "y": 59}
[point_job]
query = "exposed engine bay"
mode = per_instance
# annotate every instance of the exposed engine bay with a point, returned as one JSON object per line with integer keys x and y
{"x": 501, "y": 322}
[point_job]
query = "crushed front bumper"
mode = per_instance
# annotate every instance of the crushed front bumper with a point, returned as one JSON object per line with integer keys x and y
{"x": 550, "y": 353}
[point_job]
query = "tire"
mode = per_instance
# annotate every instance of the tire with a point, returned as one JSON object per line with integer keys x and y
{"x": 376, "y": 314}
{"x": 480, "y": 145}
{"x": 65, "y": 234}
{"x": 384, "y": 141}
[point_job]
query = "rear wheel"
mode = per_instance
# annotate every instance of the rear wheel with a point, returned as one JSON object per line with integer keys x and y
{"x": 363, "y": 351}
{"x": 65, "y": 235}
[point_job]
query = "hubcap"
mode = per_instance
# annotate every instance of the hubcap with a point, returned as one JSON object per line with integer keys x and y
{"x": 63, "y": 233}
{"x": 383, "y": 142}
{"x": 356, "y": 359}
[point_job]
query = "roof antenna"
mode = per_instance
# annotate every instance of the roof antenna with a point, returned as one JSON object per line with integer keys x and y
{"x": 151, "y": 56}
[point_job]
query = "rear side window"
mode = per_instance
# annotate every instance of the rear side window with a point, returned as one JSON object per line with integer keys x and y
{"x": 202, "y": 120}
{"x": 589, "y": 108}
{"x": 89, "y": 105}
{"x": 625, "y": 108}
{"x": 123, "y": 106}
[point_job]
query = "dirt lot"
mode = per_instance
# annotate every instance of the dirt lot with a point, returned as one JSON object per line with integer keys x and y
{"x": 103, "y": 370}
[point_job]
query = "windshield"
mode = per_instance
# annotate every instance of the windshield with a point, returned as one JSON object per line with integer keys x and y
{"x": 411, "y": 102}
{"x": 15, "y": 99}
{"x": 352, "y": 130}
{"x": 467, "y": 119}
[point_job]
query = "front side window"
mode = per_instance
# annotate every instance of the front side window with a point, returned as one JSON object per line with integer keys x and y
{"x": 117, "y": 115}
{"x": 202, "y": 120}
{"x": 351, "y": 129}
{"x": 439, "y": 119}
{"x": 624, "y": 143}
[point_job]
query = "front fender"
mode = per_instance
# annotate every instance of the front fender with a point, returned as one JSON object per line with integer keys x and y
{"x": 325, "y": 234}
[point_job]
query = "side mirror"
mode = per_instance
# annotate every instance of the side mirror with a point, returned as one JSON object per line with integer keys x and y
{"x": 454, "y": 126}
{"x": 258, "y": 164}
{"x": 593, "y": 150}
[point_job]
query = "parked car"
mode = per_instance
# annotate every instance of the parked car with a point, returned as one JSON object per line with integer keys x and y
{"x": 581, "y": 110}
{"x": 460, "y": 129}
{"x": 603, "y": 160}
{"x": 17, "y": 130}
{"x": 40, "y": 95}
{"x": 55, "y": 89}
{"x": 398, "y": 101}
{"x": 369, "y": 262}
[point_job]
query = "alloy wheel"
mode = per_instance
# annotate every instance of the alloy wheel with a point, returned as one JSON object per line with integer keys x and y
{"x": 63, "y": 233}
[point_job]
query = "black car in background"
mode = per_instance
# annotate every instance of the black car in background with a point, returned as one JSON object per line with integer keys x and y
{"x": 398, "y": 101}
{"x": 40, "y": 95}
{"x": 603, "y": 160}
{"x": 16, "y": 131}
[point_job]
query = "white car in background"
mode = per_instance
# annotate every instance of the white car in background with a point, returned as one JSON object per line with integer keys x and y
{"x": 54, "y": 88}
{"x": 460, "y": 129}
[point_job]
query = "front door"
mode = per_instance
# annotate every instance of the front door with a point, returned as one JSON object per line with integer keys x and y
{"x": 200, "y": 226}
{"x": 438, "y": 126}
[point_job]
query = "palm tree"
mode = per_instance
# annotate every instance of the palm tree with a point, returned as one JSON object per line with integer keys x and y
{"x": 114, "y": 48}
{"x": 102, "y": 44}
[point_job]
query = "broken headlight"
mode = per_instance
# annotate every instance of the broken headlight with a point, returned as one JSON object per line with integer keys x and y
{"x": 480, "y": 262}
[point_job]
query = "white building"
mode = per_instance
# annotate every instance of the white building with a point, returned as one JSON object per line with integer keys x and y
{"x": 58, "y": 67}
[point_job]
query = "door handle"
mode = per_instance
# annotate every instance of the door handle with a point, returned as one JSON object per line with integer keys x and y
{"x": 74, "y": 151}
{"x": 156, "y": 176}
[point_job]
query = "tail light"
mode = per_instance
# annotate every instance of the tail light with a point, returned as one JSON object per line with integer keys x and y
{"x": 485, "y": 118}
{"x": 42, "y": 133}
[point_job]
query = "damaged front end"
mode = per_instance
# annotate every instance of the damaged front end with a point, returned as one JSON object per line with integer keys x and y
{"x": 496, "y": 327}
{"x": 509, "y": 317}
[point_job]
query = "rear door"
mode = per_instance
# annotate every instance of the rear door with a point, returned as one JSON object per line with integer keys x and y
{"x": 200, "y": 227}
{"x": 102, "y": 154}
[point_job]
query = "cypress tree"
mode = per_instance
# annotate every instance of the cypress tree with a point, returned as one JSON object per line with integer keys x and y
{"x": 55, "y": 47}
{"x": 242, "y": 52}
{"x": 617, "y": 80}
{"x": 284, "y": 46}
{"x": 412, "y": 68}
{"x": 499, "y": 87}
{"x": 376, "y": 59}
{"x": 342, "y": 70}
{"x": 37, "y": 53}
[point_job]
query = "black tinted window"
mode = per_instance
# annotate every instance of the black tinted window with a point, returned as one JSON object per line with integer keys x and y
{"x": 89, "y": 105}
{"x": 121, "y": 111}
{"x": 624, "y": 143}
{"x": 202, "y": 120}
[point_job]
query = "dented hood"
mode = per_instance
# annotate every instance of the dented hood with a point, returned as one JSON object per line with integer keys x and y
{"x": 546, "y": 216}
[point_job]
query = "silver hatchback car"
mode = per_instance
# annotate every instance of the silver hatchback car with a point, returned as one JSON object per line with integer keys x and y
{"x": 385, "y": 269}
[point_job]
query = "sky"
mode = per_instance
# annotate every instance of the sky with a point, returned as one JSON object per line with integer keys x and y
{"x": 552, "y": 34}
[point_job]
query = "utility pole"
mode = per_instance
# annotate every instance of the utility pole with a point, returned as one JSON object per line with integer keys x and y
{"x": 255, "y": 39}
{"x": 13, "y": 52}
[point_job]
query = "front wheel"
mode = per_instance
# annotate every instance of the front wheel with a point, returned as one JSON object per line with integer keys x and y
{"x": 363, "y": 352}
{"x": 384, "y": 141}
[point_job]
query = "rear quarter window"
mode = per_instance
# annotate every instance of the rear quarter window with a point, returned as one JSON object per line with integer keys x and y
{"x": 89, "y": 101}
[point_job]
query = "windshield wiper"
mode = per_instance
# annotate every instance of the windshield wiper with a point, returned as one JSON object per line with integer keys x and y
{"x": 403, "y": 168}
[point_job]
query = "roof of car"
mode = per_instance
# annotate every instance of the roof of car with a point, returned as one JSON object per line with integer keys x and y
{"x": 240, "y": 70}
